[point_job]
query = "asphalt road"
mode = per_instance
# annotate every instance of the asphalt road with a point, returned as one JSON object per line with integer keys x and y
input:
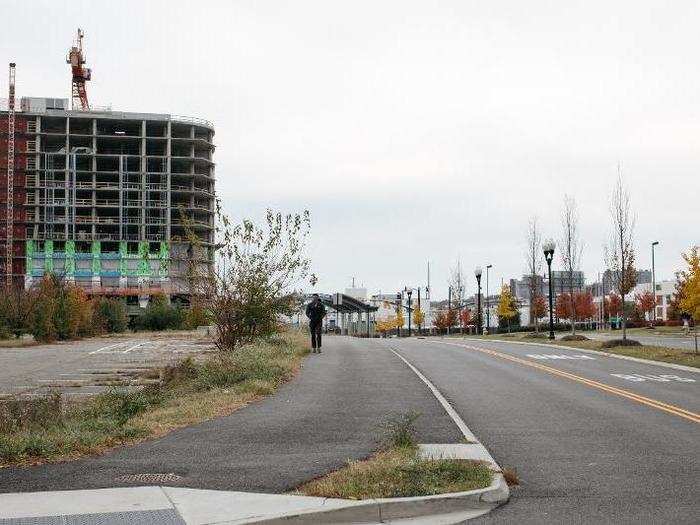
{"x": 586, "y": 446}
{"x": 332, "y": 412}
{"x": 681, "y": 342}
{"x": 594, "y": 439}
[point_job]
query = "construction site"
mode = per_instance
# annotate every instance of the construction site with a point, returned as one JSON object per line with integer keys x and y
{"x": 117, "y": 203}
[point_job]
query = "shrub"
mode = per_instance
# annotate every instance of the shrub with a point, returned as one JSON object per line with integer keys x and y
{"x": 16, "y": 310}
{"x": 575, "y": 337}
{"x": 196, "y": 315}
{"x": 613, "y": 343}
{"x": 159, "y": 315}
{"x": 110, "y": 315}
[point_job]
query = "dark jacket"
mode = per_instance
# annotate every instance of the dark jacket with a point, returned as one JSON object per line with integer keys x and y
{"x": 315, "y": 312}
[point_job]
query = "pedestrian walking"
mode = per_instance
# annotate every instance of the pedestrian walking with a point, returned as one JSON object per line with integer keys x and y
{"x": 315, "y": 311}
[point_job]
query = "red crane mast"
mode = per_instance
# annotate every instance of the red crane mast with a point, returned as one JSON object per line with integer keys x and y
{"x": 9, "y": 217}
{"x": 81, "y": 74}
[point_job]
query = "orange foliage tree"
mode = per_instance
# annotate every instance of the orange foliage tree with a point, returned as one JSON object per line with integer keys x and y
{"x": 645, "y": 302}
{"x": 612, "y": 305}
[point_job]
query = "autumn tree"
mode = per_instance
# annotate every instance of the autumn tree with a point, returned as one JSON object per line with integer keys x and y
{"x": 451, "y": 317}
{"x": 612, "y": 306}
{"x": 386, "y": 325}
{"x": 571, "y": 251}
{"x": 440, "y": 320}
{"x": 465, "y": 317}
{"x": 585, "y": 308}
{"x": 507, "y": 307}
{"x": 533, "y": 260}
{"x": 562, "y": 307}
{"x": 619, "y": 254}
{"x": 645, "y": 302}
{"x": 690, "y": 302}
{"x": 418, "y": 317}
{"x": 539, "y": 309}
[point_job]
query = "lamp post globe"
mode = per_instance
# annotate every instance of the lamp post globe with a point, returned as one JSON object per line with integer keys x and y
{"x": 548, "y": 249}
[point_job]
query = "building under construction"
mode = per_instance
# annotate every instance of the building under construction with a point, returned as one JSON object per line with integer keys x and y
{"x": 104, "y": 199}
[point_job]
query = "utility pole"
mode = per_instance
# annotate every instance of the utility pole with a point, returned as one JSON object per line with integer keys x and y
{"x": 488, "y": 311}
{"x": 653, "y": 276}
{"x": 420, "y": 325}
{"x": 409, "y": 291}
{"x": 449, "y": 306}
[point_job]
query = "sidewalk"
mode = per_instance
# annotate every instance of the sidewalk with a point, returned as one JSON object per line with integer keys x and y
{"x": 183, "y": 506}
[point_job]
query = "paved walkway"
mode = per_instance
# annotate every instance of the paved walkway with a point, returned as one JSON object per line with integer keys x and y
{"x": 332, "y": 412}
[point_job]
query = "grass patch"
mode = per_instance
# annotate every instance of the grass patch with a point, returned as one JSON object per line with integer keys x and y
{"x": 400, "y": 472}
{"x": 52, "y": 428}
{"x": 654, "y": 353}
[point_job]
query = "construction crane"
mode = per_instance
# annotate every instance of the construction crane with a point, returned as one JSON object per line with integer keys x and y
{"x": 9, "y": 227}
{"x": 81, "y": 74}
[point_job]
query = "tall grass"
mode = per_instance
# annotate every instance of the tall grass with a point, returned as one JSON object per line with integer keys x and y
{"x": 51, "y": 427}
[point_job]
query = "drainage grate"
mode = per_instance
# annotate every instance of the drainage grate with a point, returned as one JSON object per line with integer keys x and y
{"x": 149, "y": 478}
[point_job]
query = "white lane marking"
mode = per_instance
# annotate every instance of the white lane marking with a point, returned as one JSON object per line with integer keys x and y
{"x": 445, "y": 404}
{"x": 134, "y": 347}
{"x": 109, "y": 346}
{"x": 556, "y": 356}
{"x": 599, "y": 353}
{"x": 661, "y": 378}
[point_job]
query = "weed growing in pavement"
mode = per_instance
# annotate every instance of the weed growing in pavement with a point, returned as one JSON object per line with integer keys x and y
{"x": 400, "y": 431}
{"x": 511, "y": 476}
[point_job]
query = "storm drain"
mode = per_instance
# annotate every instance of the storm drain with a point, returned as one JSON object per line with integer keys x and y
{"x": 149, "y": 478}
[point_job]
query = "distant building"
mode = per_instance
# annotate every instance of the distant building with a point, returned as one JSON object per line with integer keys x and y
{"x": 523, "y": 288}
{"x": 664, "y": 295}
{"x": 564, "y": 282}
{"x": 608, "y": 282}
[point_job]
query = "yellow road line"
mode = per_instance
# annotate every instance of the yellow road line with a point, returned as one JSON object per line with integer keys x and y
{"x": 671, "y": 409}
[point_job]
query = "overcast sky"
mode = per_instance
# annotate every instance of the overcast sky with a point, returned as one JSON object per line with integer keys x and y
{"x": 411, "y": 130}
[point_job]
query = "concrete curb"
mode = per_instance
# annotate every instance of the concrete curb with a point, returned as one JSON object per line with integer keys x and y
{"x": 381, "y": 510}
{"x": 594, "y": 352}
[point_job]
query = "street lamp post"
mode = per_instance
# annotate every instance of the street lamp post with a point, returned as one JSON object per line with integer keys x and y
{"x": 409, "y": 292}
{"x": 399, "y": 298}
{"x": 653, "y": 276}
{"x": 449, "y": 306}
{"x": 477, "y": 273}
{"x": 548, "y": 248}
{"x": 420, "y": 325}
{"x": 488, "y": 311}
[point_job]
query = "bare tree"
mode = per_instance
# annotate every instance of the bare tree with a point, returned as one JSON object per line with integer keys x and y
{"x": 458, "y": 290}
{"x": 571, "y": 249}
{"x": 253, "y": 286}
{"x": 533, "y": 259}
{"x": 456, "y": 283}
{"x": 619, "y": 254}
